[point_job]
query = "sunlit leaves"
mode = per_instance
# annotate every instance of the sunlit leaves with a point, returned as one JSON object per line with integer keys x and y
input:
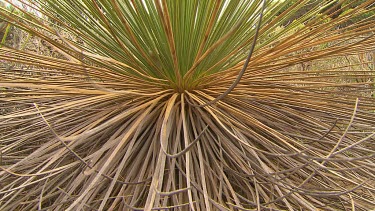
{"x": 113, "y": 123}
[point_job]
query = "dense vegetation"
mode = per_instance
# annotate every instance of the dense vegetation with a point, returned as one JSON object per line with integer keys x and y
{"x": 191, "y": 105}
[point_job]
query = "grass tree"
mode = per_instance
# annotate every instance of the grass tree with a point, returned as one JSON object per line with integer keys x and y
{"x": 188, "y": 105}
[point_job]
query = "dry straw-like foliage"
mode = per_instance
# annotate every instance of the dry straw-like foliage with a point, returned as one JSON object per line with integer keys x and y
{"x": 151, "y": 105}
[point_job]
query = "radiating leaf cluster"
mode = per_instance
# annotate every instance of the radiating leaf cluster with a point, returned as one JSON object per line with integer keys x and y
{"x": 114, "y": 122}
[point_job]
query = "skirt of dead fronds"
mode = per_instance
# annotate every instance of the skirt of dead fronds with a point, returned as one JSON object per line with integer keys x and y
{"x": 269, "y": 145}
